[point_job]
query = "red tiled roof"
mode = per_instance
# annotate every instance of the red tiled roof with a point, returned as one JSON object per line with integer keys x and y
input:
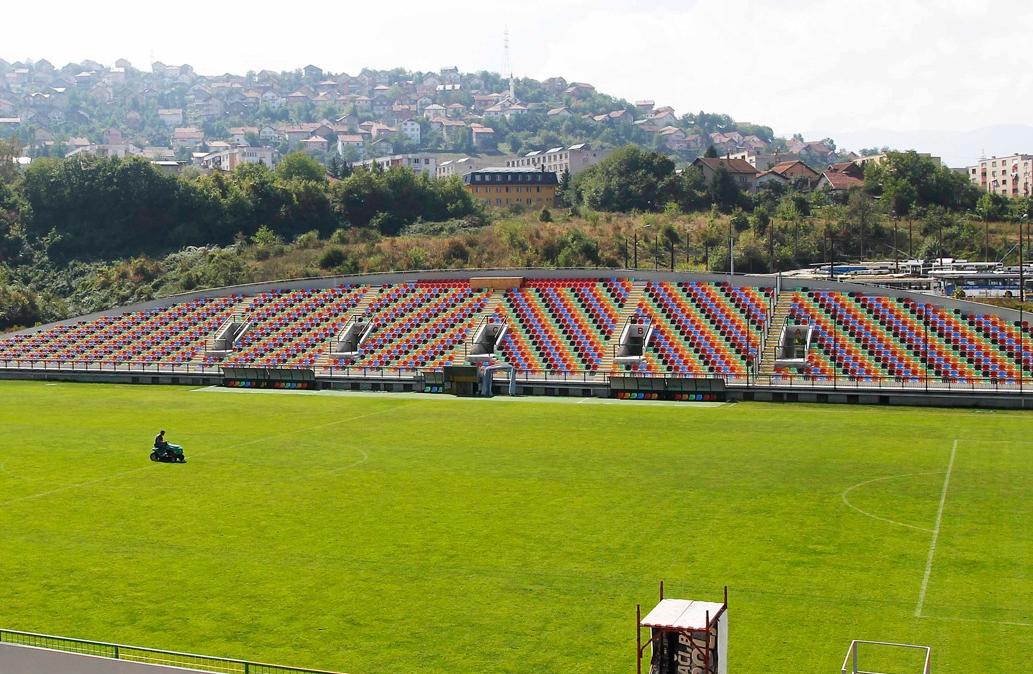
{"x": 731, "y": 165}
{"x": 781, "y": 167}
{"x": 841, "y": 181}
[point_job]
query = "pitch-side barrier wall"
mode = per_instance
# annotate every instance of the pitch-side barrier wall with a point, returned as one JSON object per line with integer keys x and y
{"x": 31, "y": 653}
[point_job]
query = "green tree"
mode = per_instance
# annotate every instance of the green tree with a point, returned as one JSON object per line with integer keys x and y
{"x": 992, "y": 206}
{"x": 298, "y": 165}
{"x": 628, "y": 179}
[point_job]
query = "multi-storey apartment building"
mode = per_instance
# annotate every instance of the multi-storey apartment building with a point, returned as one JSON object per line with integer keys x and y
{"x": 575, "y": 159}
{"x": 1010, "y": 176}
{"x": 509, "y": 186}
{"x": 420, "y": 162}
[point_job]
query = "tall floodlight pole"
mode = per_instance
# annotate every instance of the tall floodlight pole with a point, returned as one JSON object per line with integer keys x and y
{"x": 835, "y": 345}
{"x": 1022, "y": 276}
{"x": 896, "y": 251}
{"x": 1022, "y": 300}
{"x": 731, "y": 249}
{"x": 925, "y": 348}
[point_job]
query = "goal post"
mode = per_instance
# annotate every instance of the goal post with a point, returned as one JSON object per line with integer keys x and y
{"x": 853, "y": 663}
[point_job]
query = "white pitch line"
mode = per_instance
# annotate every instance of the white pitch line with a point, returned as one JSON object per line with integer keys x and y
{"x": 936, "y": 533}
{"x": 1012, "y": 623}
{"x": 876, "y": 517}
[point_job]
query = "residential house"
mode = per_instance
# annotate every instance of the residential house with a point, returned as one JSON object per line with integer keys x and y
{"x": 764, "y": 162}
{"x": 379, "y": 130}
{"x": 274, "y": 100}
{"x": 483, "y": 138}
{"x": 239, "y": 134}
{"x": 555, "y": 84}
{"x": 841, "y": 177}
{"x": 511, "y": 186}
{"x": 380, "y": 105}
{"x": 450, "y": 75}
{"x": 410, "y": 128}
{"x": 312, "y": 72}
{"x": 745, "y": 176}
{"x": 455, "y": 110}
{"x": 579, "y": 90}
{"x": 674, "y": 138}
{"x": 362, "y": 104}
{"x": 298, "y": 99}
{"x": 171, "y": 116}
{"x": 78, "y": 142}
{"x": 482, "y": 102}
{"x": 454, "y": 131}
{"x": 661, "y": 117}
{"x": 350, "y": 145}
{"x": 434, "y": 110}
{"x": 189, "y": 136}
{"x": 562, "y": 111}
{"x": 618, "y": 116}
{"x": 645, "y": 106}
{"x": 787, "y": 173}
{"x": 268, "y": 135}
{"x": 315, "y": 145}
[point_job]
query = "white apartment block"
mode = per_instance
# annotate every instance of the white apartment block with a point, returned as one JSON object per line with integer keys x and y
{"x": 419, "y": 163}
{"x": 463, "y": 165}
{"x": 1009, "y": 176}
{"x": 227, "y": 160}
{"x": 575, "y": 159}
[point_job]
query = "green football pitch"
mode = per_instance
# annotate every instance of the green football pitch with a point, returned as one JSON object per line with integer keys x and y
{"x": 395, "y": 533}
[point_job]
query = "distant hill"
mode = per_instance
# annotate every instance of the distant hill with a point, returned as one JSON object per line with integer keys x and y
{"x": 170, "y": 111}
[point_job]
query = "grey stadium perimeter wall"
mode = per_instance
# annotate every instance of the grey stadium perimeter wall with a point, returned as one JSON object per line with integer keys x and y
{"x": 846, "y": 392}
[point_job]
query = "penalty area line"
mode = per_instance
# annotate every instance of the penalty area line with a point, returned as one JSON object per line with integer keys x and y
{"x": 936, "y": 533}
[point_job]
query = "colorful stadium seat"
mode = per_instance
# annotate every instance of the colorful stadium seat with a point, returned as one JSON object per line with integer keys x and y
{"x": 560, "y": 325}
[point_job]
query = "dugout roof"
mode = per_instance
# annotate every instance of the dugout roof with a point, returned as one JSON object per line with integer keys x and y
{"x": 682, "y": 614}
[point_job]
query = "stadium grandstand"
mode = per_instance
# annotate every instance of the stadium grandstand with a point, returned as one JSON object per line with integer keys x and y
{"x": 626, "y": 334}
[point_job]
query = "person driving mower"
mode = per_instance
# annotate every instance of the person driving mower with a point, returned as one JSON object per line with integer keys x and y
{"x": 165, "y": 451}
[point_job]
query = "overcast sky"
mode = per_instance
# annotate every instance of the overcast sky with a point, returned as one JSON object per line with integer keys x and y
{"x": 820, "y": 67}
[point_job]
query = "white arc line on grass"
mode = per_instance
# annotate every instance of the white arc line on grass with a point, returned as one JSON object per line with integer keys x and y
{"x": 936, "y": 533}
{"x": 87, "y": 483}
{"x": 876, "y": 517}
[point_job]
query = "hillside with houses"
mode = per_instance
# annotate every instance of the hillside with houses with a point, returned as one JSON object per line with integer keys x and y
{"x": 176, "y": 118}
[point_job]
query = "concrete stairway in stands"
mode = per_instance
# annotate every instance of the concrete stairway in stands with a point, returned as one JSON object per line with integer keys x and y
{"x": 458, "y": 354}
{"x": 778, "y": 319}
{"x": 240, "y": 311}
{"x": 636, "y": 295}
{"x": 360, "y": 309}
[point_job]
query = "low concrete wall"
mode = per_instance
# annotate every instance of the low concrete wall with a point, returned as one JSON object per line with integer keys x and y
{"x": 29, "y": 660}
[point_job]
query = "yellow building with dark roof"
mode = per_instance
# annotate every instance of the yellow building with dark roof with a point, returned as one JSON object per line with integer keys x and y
{"x": 509, "y": 186}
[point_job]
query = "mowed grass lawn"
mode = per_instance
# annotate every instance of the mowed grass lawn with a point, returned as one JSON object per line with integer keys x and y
{"x": 388, "y": 534}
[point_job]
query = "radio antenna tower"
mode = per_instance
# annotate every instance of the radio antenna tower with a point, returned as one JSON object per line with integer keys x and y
{"x": 507, "y": 65}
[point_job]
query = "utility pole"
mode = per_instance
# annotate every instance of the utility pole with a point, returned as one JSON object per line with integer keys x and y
{"x": 731, "y": 249}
